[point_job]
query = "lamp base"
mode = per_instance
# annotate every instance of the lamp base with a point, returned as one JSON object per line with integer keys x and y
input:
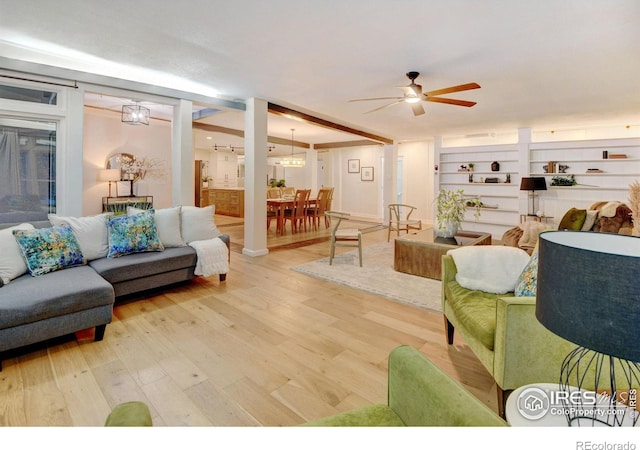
{"x": 599, "y": 390}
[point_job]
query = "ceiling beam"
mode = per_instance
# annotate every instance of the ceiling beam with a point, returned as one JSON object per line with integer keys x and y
{"x": 240, "y": 133}
{"x": 293, "y": 114}
{"x": 360, "y": 143}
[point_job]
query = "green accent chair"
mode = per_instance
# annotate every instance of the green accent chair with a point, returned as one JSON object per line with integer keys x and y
{"x": 130, "y": 414}
{"x": 503, "y": 332}
{"x": 419, "y": 394}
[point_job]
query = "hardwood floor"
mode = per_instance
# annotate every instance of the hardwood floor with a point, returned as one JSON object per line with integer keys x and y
{"x": 269, "y": 346}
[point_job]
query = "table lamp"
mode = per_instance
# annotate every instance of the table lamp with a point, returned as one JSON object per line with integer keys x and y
{"x": 588, "y": 293}
{"x": 533, "y": 184}
{"x": 109, "y": 175}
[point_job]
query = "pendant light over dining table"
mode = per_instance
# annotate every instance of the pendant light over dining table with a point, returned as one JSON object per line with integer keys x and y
{"x": 292, "y": 161}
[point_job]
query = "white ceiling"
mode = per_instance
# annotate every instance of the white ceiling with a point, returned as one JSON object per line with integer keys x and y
{"x": 545, "y": 64}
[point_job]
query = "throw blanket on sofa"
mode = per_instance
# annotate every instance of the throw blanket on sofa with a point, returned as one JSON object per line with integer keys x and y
{"x": 212, "y": 257}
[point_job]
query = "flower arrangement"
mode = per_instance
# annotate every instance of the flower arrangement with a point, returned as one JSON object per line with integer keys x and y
{"x": 451, "y": 206}
{"x": 141, "y": 168}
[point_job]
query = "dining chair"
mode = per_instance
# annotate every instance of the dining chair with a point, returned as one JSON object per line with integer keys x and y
{"x": 343, "y": 237}
{"x": 297, "y": 214}
{"x": 398, "y": 222}
{"x": 315, "y": 212}
{"x": 288, "y": 191}
{"x": 274, "y": 192}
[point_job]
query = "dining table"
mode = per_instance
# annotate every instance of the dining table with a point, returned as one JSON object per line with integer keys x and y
{"x": 279, "y": 205}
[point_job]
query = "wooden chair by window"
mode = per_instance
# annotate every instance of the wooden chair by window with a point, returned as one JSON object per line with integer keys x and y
{"x": 398, "y": 222}
{"x": 298, "y": 214}
{"x": 317, "y": 210}
{"x": 343, "y": 237}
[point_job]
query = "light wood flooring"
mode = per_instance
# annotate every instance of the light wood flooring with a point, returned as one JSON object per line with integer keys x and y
{"x": 269, "y": 346}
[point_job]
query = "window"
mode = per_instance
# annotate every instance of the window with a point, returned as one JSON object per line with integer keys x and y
{"x": 27, "y": 170}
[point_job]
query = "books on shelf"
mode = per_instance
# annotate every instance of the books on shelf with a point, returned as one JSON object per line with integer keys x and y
{"x": 617, "y": 156}
{"x": 595, "y": 171}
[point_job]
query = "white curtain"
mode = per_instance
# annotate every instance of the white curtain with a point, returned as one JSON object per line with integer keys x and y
{"x": 9, "y": 164}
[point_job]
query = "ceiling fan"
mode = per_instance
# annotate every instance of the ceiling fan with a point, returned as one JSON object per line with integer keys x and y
{"x": 413, "y": 95}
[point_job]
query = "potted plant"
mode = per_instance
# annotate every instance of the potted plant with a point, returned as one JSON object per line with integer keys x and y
{"x": 450, "y": 208}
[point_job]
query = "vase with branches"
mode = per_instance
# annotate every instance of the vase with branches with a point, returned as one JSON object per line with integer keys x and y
{"x": 450, "y": 209}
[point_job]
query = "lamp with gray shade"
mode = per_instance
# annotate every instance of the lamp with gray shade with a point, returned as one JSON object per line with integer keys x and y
{"x": 588, "y": 293}
{"x": 533, "y": 184}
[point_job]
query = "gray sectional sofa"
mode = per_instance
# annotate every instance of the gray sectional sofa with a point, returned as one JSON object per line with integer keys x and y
{"x": 38, "y": 308}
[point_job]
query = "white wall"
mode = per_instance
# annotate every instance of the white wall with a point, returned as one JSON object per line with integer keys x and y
{"x": 418, "y": 178}
{"x": 104, "y": 135}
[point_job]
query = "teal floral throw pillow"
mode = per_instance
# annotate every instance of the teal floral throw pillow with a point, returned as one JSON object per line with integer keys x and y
{"x": 528, "y": 280}
{"x": 48, "y": 249}
{"x": 133, "y": 234}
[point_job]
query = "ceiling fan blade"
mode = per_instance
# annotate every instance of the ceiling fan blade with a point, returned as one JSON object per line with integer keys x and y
{"x": 386, "y": 106}
{"x": 417, "y": 108}
{"x": 449, "y": 90}
{"x": 377, "y": 98}
{"x": 412, "y": 90}
{"x": 450, "y": 101}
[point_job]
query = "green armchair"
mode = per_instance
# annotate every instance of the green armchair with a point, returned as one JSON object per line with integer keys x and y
{"x": 503, "y": 332}
{"x": 419, "y": 394}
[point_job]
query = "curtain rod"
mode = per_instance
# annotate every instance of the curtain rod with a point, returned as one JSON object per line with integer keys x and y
{"x": 75, "y": 83}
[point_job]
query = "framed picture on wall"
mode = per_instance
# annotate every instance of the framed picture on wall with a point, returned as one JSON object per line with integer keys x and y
{"x": 354, "y": 166}
{"x": 366, "y": 174}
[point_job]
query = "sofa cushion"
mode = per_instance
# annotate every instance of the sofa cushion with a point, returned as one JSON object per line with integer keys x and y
{"x": 573, "y": 219}
{"x": 489, "y": 268}
{"x": 133, "y": 234}
{"x": 90, "y": 231}
{"x": 12, "y": 263}
{"x": 528, "y": 280}
{"x": 198, "y": 224}
{"x": 590, "y": 220}
{"x": 139, "y": 265}
{"x": 476, "y": 310}
{"x": 48, "y": 249}
{"x": 27, "y": 299}
{"x": 168, "y": 224}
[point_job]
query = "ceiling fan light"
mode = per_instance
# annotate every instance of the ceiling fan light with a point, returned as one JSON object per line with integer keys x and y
{"x": 412, "y": 99}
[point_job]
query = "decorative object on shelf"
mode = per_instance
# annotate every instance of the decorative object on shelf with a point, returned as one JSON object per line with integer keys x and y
{"x": 354, "y": 166}
{"x": 470, "y": 178}
{"x": 491, "y": 180}
{"x": 605, "y": 154}
{"x": 292, "y": 161}
{"x": 463, "y": 168}
{"x": 135, "y": 114}
{"x": 495, "y": 166}
{"x": 366, "y": 174}
{"x": 617, "y": 156}
{"x": 450, "y": 209}
{"x": 634, "y": 205}
{"x": 595, "y": 171}
{"x": 508, "y": 178}
{"x": 471, "y": 166}
{"x": 110, "y": 175}
{"x": 533, "y": 184}
{"x": 562, "y": 168}
{"x": 575, "y": 288}
{"x": 564, "y": 181}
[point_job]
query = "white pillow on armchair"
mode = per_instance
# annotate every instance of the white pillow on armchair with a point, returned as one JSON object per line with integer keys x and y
{"x": 489, "y": 268}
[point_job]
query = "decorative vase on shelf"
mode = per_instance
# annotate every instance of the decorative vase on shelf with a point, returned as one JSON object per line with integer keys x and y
{"x": 141, "y": 188}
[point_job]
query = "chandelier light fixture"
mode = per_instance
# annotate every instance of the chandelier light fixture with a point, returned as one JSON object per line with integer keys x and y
{"x": 135, "y": 114}
{"x": 292, "y": 161}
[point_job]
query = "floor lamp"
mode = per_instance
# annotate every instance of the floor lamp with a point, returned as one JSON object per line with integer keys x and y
{"x": 588, "y": 293}
{"x": 533, "y": 184}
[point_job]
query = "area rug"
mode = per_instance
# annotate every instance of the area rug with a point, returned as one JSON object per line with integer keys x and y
{"x": 376, "y": 276}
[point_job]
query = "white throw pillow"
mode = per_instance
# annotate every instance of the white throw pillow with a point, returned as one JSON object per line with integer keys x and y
{"x": 12, "y": 263}
{"x": 489, "y": 268}
{"x": 90, "y": 231}
{"x": 590, "y": 220}
{"x": 167, "y": 223}
{"x": 198, "y": 224}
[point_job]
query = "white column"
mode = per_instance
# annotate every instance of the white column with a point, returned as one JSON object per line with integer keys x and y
{"x": 311, "y": 172}
{"x": 390, "y": 181}
{"x": 182, "y": 157}
{"x": 437, "y": 146}
{"x": 69, "y": 172}
{"x": 255, "y": 186}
